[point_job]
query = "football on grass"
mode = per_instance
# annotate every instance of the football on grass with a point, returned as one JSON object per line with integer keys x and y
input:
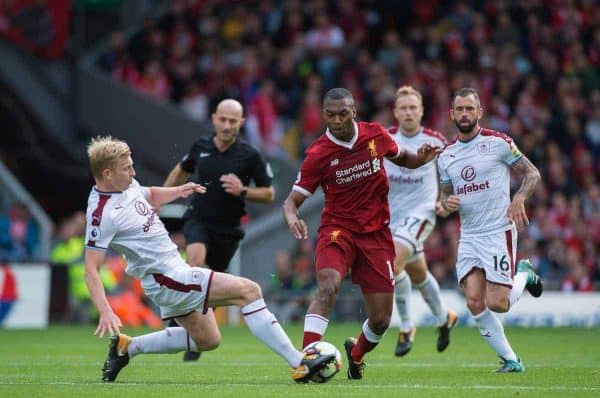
{"x": 330, "y": 370}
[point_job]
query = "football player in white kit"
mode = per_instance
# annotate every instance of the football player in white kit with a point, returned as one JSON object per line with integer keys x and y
{"x": 412, "y": 198}
{"x": 475, "y": 180}
{"x": 121, "y": 216}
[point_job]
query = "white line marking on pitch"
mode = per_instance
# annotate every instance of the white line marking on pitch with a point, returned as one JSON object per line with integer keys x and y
{"x": 336, "y": 386}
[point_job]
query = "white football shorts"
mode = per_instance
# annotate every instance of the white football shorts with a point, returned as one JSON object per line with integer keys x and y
{"x": 411, "y": 232}
{"x": 180, "y": 291}
{"x": 495, "y": 254}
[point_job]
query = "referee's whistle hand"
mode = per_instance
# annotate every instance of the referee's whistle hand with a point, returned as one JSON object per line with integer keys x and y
{"x": 231, "y": 184}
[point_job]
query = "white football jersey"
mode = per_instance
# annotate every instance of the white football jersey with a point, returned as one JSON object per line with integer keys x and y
{"x": 125, "y": 222}
{"x": 413, "y": 192}
{"x": 479, "y": 171}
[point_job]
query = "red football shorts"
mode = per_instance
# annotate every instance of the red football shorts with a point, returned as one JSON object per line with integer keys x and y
{"x": 368, "y": 257}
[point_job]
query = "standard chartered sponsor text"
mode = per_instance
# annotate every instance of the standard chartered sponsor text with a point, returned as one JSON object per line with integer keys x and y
{"x": 354, "y": 173}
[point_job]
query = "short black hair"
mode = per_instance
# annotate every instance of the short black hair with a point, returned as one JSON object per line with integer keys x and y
{"x": 465, "y": 92}
{"x": 338, "y": 93}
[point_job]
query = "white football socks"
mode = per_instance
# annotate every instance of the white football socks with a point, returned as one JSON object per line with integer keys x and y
{"x": 430, "y": 290}
{"x": 370, "y": 335}
{"x": 402, "y": 290}
{"x": 492, "y": 331}
{"x": 263, "y": 324}
{"x": 519, "y": 282}
{"x": 315, "y": 323}
{"x": 169, "y": 340}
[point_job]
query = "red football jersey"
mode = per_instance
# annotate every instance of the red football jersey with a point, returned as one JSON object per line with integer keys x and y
{"x": 352, "y": 177}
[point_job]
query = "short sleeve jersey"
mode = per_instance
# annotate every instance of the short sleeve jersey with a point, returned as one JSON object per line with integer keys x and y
{"x": 352, "y": 177}
{"x": 413, "y": 192}
{"x": 125, "y": 222}
{"x": 208, "y": 164}
{"x": 479, "y": 171}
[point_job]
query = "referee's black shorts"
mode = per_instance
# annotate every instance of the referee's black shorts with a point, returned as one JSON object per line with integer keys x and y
{"x": 221, "y": 242}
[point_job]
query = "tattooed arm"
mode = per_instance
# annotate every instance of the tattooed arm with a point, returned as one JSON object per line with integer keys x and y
{"x": 531, "y": 176}
{"x": 448, "y": 202}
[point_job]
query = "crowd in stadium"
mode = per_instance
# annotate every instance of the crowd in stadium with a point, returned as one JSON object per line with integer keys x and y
{"x": 535, "y": 65}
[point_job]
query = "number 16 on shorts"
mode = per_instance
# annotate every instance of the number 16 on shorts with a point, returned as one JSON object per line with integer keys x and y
{"x": 502, "y": 264}
{"x": 494, "y": 253}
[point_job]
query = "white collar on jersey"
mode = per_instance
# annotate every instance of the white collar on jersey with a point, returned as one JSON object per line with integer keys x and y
{"x": 410, "y": 136}
{"x": 345, "y": 144}
{"x": 472, "y": 138}
{"x": 105, "y": 192}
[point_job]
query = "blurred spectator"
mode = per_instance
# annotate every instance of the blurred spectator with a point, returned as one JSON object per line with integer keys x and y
{"x": 154, "y": 82}
{"x": 19, "y": 234}
{"x": 286, "y": 295}
{"x": 436, "y": 250}
{"x": 127, "y": 298}
{"x": 577, "y": 278}
{"x": 125, "y": 71}
{"x": 68, "y": 250}
{"x": 592, "y": 127}
{"x": 194, "y": 103}
{"x": 262, "y": 123}
{"x": 311, "y": 119}
{"x": 117, "y": 50}
{"x": 303, "y": 263}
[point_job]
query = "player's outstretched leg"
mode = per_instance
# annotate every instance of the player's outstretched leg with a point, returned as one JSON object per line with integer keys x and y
{"x": 430, "y": 290}
{"x": 534, "y": 283}
{"x": 355, "y": 369}
{"x": 510, "y": 366}
{"x": 311, "y": 364}
{"x": 117, "y": 357}
{"x": 492, "y": 331}
{"x": 188, "y": 355}
{"x": 405, "y": 341}
{"x": 444, "y": 330}
{"x": 406, "y": 334}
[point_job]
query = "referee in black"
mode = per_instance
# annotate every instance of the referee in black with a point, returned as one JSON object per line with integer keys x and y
{"x": 225, "y": 165}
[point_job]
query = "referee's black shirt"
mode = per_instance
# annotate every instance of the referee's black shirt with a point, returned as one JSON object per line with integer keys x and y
{"x": 208, "y": 164}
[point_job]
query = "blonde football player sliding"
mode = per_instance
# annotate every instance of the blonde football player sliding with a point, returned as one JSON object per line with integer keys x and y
{"x": 121, "y": 216}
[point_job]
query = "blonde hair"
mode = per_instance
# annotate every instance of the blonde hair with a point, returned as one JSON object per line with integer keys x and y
{"x": 104, "y": 153}
{"x": 408, "y": 90}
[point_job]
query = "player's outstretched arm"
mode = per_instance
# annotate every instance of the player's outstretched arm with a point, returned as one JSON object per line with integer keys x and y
{"x": 158, "y": 196}
{"x": 425, "y": 153}
{"x": 448, "y": 202}
{"x": 176, "y": 177}
{"x": 109, "y": 322}
{"x": 531, "y": 176}
{"x": 260, "y": 194}
{"x": 291, "y": 205}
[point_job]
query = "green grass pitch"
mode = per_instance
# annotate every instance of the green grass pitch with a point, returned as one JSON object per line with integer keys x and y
{"x": 65, "y": 361}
